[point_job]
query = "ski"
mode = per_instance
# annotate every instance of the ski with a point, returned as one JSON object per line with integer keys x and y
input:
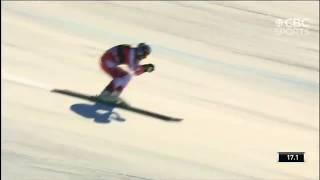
{"x": 122, "y": 104}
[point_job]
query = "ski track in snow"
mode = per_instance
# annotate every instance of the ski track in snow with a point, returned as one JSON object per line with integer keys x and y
{"x": 26, "y": 82}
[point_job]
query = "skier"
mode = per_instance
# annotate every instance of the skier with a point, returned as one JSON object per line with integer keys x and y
{"x": 118, "y": 55}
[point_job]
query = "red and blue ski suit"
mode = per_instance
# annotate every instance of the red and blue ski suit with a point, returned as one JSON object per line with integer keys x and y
{"x": 118, "y": 55}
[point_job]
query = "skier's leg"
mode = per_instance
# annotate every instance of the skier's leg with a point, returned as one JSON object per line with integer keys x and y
{"x": 113, "y": 90}
{"x": 109, "y": 67}
{"x": 109, "y": 87}
{"x": 120, "y": 80}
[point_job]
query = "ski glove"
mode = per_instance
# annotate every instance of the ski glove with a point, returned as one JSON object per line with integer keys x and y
{"x": 148, "y": 67}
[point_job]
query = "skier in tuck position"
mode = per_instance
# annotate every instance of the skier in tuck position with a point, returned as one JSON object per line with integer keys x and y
{"x": 119, "y": 55}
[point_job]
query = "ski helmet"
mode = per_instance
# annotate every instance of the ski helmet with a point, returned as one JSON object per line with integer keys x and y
{"x": 143, "y": 50}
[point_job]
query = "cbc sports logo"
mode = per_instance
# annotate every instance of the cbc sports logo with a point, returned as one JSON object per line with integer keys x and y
{"x": 292, "y": 26}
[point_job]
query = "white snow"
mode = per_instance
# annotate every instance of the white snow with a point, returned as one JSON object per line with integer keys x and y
{"x": 244, "y": 91}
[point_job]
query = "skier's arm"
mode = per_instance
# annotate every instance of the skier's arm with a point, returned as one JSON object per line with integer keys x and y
{"x": 134, "y": 64}
{"x": 144, "y": 68}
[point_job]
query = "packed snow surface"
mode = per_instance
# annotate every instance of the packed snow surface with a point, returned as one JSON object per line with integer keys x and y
{"x": 245, "y": 83}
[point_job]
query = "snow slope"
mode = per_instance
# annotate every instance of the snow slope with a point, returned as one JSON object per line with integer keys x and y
{"x": 244, "y": 91}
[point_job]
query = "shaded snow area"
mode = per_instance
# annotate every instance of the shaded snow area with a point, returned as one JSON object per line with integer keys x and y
{"x": 245, "y": 81}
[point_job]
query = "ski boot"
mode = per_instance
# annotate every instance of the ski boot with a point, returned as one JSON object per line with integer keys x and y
{"x": 110, "y": 97}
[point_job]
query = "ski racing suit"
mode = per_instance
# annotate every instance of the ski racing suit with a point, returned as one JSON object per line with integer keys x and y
{"x": 110, "y": 61}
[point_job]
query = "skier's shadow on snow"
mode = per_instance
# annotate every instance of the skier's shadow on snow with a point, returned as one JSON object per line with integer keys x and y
{"x": 99, "y": 112}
